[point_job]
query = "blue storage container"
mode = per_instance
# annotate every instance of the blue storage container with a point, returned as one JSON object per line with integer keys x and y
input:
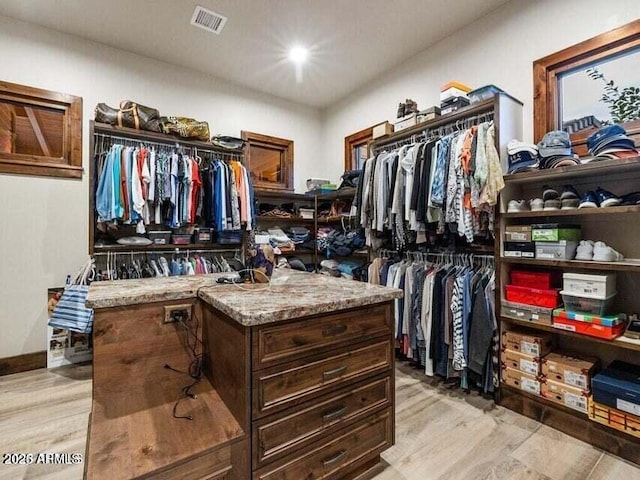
{"x": 618, "y": 386}
{"x": 483, "y": 93}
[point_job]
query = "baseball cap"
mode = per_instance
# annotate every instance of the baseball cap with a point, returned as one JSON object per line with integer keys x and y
{"x": 605, "y": 132}
{"x": 555, "y": 143}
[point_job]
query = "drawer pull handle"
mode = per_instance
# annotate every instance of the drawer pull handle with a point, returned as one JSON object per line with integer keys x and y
{"x": 336, "y": 372}
{"x": 336, "y": 330}
{"x": 336, "y": 458}
{"x": 336, "y": 413}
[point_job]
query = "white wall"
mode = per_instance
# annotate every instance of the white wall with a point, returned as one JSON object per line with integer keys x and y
{"x": 497, "y": 49}
{"x": 44, "y": 222}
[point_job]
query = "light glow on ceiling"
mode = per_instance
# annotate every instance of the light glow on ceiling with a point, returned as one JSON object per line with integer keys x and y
{"x": 298, "y": 54}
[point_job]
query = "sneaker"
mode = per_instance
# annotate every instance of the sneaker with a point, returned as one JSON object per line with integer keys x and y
{"x": 552, "y": 205}
{"x": 517, "y": 206}
{"x": 584, "y": 250}
{"x": 589, "y": 200}
{"x": 569, "y": 193}
{"x": 604, "y": 253}
{"x": 570, "y": 203}
{"x": 549, "y": 193}
{"x": 607, "y": 199}
{"x": 537, "y": 204}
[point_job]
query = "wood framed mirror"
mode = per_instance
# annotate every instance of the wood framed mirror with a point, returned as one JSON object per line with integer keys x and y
{"x": 588, "y": 85}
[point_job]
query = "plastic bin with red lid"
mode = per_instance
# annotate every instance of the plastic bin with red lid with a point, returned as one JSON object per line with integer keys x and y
{"x": 535, "y": 279}
{"x": 549, "y": 298}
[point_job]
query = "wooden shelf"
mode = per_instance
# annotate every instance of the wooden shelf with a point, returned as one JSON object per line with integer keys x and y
{"x": 164, "y": 248}
{"x": 541, "y": 399}
{"x": 592, "y": 169}
{"x": 575, "y": 212}
{"x": 618, "y": 342}
{"x": 284, "y": 220}
{"x": 348, "y": 192}
{"x": 585, "y": 265}
{"x": 260, "y": 193}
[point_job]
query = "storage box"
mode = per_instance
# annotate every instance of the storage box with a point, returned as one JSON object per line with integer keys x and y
{"x": 523, "y": 381}
{"x": 520, "y": 361}
{"x": 160, "y": 237}
{"x": 520, "y": 249}
{"x": 527, "y": 313}
{"x": 590, "y": 329}
{"x": 560, "y": 250}
{"x": 382, "y": 130}
{"x": 230, "y": 237}
{"x": 430, "y": 113}
{"x": 614, "y": 418}
{"x": 548, "y": 298}
{"x": 535, "y": 279}
{"x": 517, "y": 233}
{"x": 203, "y": 235}
{"x": 608, "y": 321}
{"x": 483, "y": 93}
{"x": 307, "y": 213}
{"x": 533, "y": 344}
{"x": 594, "y": 285}
{"x": 566, "y": 395}
{"x": 453, "y": 89}
{"x": 181, "y": 239}
{"x": 554, "y": 232}
{"x": 453, "y": 104}
{"x": 618, "y": 386}
{"x": 570, "y": 370}
{"x": 587, "y": 303}
{"x": 405, "y": 122}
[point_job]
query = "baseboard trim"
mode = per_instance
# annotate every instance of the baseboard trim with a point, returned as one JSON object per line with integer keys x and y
{"x": 23, "y": 363}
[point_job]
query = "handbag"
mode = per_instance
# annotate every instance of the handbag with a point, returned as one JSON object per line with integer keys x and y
{"x": 70, "y": 312}
{"x": 234, "y": 144}
{"x": 350, "y": 178}
{"x": 185, "y": 127}
{"x": 130, "y": 115}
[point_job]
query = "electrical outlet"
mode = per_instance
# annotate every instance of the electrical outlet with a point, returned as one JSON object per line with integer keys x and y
{"x": 177, "y": 313}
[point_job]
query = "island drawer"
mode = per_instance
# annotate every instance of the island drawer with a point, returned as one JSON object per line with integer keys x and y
{"x": 335, "y": 457}
{"x": 282, "y": 343}
{"x": 275, "y": 437}
{"x": 287, "y": 385}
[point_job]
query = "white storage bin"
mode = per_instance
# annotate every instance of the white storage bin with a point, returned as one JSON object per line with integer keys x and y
{"x": 596, "y": 286}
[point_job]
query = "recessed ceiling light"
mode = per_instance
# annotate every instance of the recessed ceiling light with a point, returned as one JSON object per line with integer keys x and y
{"x": 298, "y": 54}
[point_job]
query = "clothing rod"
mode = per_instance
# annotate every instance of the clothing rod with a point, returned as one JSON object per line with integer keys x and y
{"x": 168, "y": 144}
{"x": 165, "y": 252}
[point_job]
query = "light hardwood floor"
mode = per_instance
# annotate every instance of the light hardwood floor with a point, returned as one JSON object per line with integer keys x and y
{"x": 440, "y": 434}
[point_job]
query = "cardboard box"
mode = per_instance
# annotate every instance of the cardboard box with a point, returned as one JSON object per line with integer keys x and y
{"x": 405, "y": 122}
{"x": 614, "y": 418}
{"x": 65, "y": 347}
{"x": 566, "y": 395}
{"x": 533, "y": 344}
{"x": 519, "y": 249}
{"x": 573, "y": 371}
{"x": 517, "y": 233}
{"x": 527, "y": 313}
{"x": 382, "y": 130}
{"x": 523, "y": 381}
{"x": 585, "y": 284}
{"x": 560, "y": 250}
{"x": 554, "y": 232}
{"x": 520, "y": 361}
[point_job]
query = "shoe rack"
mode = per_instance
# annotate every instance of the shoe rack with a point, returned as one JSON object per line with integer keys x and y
{"x": 618, "y": 227}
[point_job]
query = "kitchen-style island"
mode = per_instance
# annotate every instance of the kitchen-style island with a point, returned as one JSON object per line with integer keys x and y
{"x": 297, "y": 378}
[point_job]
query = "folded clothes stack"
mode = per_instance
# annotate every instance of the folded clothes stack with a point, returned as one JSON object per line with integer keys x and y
{"x": 522, "y": 156}
{"x": 611, "y": 142}
{"x": 555, "y": 150}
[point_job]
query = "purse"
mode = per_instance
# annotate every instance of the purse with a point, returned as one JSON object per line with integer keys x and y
{"x": 185, "y": 127}
{"x": 228, "y": 143}
{"x": 70, "y": 312}
{"x": 130, "y": 115}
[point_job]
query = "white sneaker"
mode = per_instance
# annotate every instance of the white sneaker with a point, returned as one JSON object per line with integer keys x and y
{"x": 517, "y": 206}
{"x": 537, "y": 204}
{"x": 585, "y": 250}
{"x": 604, "y": 253}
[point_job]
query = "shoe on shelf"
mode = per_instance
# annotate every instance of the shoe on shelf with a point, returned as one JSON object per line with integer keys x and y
{"x": 537, "y": 204}
{"x": 589, "y": 200}
{"x": 400, "y": 113}
{"x": 553, "y": 204}
{"x": 569, "y": 193}
{"x": 517, "y": 206}
{"x": 549, "y": 193}
{"x": 570, "y": 203}
{"x": 604, "y": 253}
{"x": 607, "y": 199}
{"x": 584, "y": 250}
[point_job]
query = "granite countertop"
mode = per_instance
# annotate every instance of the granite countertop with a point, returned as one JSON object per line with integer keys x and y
{"x": 120, "y": 293}
{"x": 293, "y": 294}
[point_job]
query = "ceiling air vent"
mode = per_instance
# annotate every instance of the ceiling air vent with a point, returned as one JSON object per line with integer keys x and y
{"x": 208, "y": 20}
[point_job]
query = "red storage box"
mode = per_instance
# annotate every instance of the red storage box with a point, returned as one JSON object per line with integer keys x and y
{"x": 533, "y": 296}
{"x": 534, "y": 279}
{"x": 590, "y": 329}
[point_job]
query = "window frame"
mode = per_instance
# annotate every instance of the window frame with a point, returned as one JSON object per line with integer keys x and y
{"x": 286, "y": 154}
{"x": 362, "y": 138}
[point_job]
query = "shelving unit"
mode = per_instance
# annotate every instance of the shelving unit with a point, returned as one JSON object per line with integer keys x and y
{"x": 617, "y": 227}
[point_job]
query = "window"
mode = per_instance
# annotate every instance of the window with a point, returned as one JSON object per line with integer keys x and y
{"x": 356, "y": 149}
{"x": 40, "y": 132}
{"x": 270, "y": 161}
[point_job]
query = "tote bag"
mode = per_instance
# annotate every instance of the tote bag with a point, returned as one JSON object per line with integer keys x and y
{"x": 71, "y": 313}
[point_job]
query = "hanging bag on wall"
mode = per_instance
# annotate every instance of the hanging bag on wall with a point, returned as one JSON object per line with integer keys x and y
{"x": 186, "y": 127}
{"x": 71, "y": 312}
